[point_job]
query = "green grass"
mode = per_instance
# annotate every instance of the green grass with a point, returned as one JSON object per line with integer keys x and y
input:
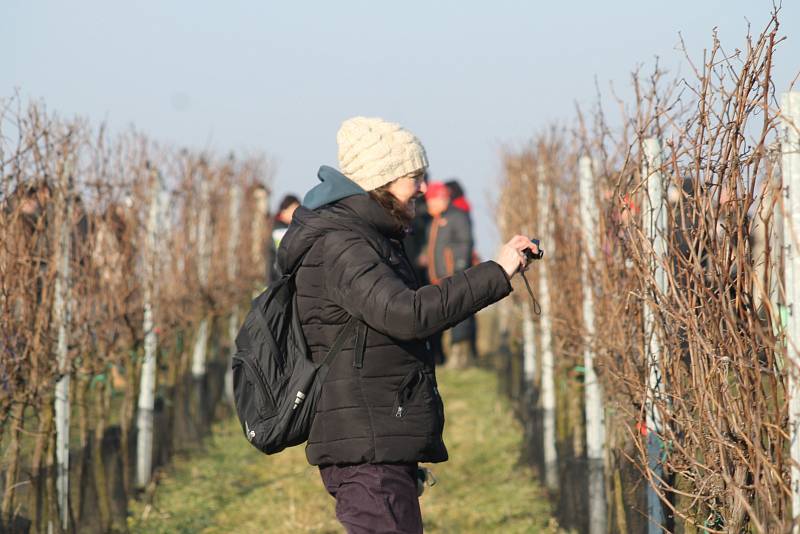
{"x": 231, "y": 487}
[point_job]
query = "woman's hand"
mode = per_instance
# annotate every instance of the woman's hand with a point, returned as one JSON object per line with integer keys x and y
{"x": 511, "y": 257}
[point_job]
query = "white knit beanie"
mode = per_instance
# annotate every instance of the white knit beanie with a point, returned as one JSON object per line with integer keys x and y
{"x": 373, "y": 152}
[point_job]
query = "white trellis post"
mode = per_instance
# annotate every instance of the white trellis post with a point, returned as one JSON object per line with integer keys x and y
{"x": 147, "y": 385}
{"x": 654, "y": 222}
{"x": 593, "y": 392}
{"x": 776, "y": 240}
{"x": 528, "y": 346}
{"x": 548, "y": 387}
{"x": 504, "y": 306}
{"x": 504, "y": 313}
{"x": 203, "y": 265}
{"x": 233, "y": 271}
{"x": 766, "y": 243}
{"x": 790, "y": 168}
{"x": 528, "y": 335}
{"x": 258, "y": 231}
{"x": 61, "y": 323}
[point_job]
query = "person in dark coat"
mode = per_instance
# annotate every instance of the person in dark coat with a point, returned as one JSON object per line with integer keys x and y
{"x": 280, "y": 225}
{"x": 416, "y": 239}
{"x": 415, "y": 243}
{"x": 450, "y": 251}
{"x": 464, "y": 335}
{"x": 458, "y": 199}
{"x": 379, "y": 413}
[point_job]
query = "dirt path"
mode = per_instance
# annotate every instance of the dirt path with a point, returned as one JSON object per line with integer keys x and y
{"x": 230, "y": 487}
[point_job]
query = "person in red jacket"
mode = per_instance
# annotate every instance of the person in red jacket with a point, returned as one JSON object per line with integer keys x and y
{"x": 466, "y": 331}
{"x": 449, "y": 251}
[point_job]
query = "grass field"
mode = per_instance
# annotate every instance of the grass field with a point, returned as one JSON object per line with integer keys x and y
{"x": 231, "y": 487}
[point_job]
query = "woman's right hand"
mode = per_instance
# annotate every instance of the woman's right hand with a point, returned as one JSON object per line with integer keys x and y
{"x": 511, "y": 256}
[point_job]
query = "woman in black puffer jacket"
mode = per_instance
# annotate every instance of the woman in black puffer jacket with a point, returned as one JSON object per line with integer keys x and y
{"x": 380, "y": 412}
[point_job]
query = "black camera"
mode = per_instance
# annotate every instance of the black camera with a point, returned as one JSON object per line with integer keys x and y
{"x": 530, "y": 255}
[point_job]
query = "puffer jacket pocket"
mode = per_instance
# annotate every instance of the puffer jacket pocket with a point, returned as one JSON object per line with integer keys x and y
{"x": 418, "y": 392}
{"x": 418, "y": 397}
{"x": 408, "y": 389}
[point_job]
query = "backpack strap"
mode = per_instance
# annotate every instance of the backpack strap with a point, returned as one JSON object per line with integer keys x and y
{"x": 361, "y": 339}
{"x": 299, "y": 263}
{"x": 348, "y": 329}
{"x": 351, "y": 325}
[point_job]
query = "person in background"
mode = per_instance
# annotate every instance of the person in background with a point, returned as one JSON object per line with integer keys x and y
{"x": 280, "y": 225}
{"x": 467, "y": 330}
{"x": 416, "y": 239}
{"x": 459, "y": 201}
{"x": 449, "y": 252}
{"x": 457, "y": 198}
{"x": 415, "y": 244}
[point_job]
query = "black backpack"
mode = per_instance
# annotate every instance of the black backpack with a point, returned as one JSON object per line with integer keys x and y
{"x": 276, "y": 384}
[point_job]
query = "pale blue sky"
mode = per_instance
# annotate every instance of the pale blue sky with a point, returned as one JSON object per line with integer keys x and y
{"x": 467, "y": 77}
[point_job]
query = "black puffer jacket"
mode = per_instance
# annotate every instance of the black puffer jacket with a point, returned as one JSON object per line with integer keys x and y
{"x": 387, "y": 408}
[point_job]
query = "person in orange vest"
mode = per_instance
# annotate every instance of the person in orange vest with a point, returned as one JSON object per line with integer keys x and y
{"x": 449, "y": 251}
{"x": 468, "y": 328}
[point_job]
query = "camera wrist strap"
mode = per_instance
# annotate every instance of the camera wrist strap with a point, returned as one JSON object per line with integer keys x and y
{"x": 536, "y": 308}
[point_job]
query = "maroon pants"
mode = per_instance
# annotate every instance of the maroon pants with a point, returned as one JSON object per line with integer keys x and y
{"x": 375, "y": 497}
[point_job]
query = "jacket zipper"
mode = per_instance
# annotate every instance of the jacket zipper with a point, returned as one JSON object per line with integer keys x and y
{"x": 399, "y": 410}
{"x": 359, "y": 347}
{"x": 439, "y": 408}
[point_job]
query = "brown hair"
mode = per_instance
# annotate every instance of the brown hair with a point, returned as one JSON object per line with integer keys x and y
{"x": 389, "y": 202}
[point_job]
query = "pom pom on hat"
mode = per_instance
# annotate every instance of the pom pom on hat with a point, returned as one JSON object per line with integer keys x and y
{"x": 374, "y": 152}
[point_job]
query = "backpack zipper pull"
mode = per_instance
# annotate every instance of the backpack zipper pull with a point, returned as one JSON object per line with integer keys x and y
{"x": 298, "y": 400}
{"x": 399, "y": 412}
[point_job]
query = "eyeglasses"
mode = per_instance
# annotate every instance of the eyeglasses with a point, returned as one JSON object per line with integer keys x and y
{"x": 419, "y": 178}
